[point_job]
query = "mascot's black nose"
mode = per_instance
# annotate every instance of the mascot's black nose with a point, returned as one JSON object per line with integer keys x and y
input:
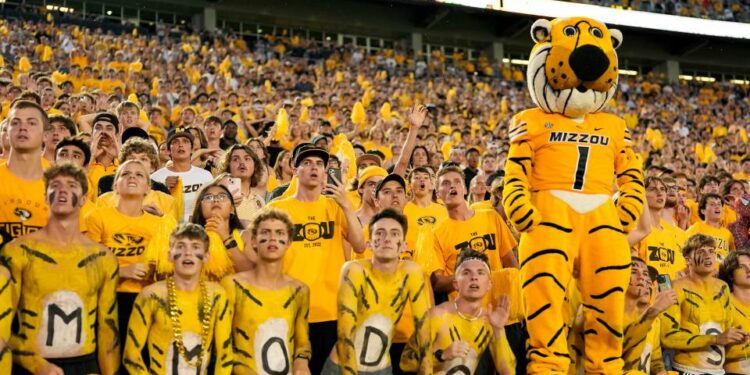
{"x": 588, "y": 62}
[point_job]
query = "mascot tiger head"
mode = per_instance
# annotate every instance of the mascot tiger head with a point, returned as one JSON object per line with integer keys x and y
{"x": 573, "y": 66}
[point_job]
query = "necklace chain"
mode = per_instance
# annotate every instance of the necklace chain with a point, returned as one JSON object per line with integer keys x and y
{"x": 466, "y": 317}
{"x": 174, "y": 315}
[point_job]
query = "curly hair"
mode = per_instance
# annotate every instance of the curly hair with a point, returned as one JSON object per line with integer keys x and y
{"x": 257, "y": 164}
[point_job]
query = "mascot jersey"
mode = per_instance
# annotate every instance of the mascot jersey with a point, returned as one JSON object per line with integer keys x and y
{"x": 370, "y": 303}
{"x": 150, "y": 326}
{"x": 703, "y": 310}
{"x": 65, "y": 302}
{"x": 270, "y": 326}
{"x": 563, "y": 162}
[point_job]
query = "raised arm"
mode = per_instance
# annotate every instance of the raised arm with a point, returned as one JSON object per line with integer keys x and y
{"x": 416, "y": 116}
{"x": 632, "y": 193}
{"x": 516, "y": 193}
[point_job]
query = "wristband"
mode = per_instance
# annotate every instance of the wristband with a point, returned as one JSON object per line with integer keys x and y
{"x": 439, "y": 355}
{"x": 230, "y": 243}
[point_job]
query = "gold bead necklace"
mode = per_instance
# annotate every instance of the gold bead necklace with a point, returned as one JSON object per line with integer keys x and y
{"x": 174, "y": 315}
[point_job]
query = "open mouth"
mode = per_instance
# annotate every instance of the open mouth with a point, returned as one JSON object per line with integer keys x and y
{"x": 474, "y": 287}
{"x": 188, "y": 263}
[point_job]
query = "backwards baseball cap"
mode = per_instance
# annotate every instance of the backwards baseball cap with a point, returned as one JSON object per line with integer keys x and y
{"x": 372, "y": 157}
{"x": 180, "y": 133}
{"x": 133, "y": 133}
{"x": 391, "y": 177}
{"x": 108, "y": 117}
{"x": 307, "y": 151}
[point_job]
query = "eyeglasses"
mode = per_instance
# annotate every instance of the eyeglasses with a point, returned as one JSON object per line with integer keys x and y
{"x": 221, "y": 197}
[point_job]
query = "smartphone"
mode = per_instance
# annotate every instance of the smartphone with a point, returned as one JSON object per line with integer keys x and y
{"x": 334, "y": 173}
{"x": 664, "y": 282}
{"x": 235, "y": 186}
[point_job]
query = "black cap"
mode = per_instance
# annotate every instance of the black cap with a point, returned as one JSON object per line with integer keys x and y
{"x": 391, "y": 177}
{"x": 177, "y": 134}
{"x": 317, "y": 138}
{"x": 133, "y": 133}
{"x": 307, "y": 151}
{"x": 108, "y": 117}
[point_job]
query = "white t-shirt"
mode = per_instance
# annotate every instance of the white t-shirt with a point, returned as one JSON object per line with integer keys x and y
{"x": 192, "y": 182}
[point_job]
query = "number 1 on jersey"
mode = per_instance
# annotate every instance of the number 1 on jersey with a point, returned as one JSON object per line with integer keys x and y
{"x": 583, "y": 161}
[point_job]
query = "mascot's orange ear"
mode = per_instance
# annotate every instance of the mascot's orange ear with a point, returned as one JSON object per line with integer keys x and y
{"x": 616, "y": 38}
{"x": 541, "y": 29}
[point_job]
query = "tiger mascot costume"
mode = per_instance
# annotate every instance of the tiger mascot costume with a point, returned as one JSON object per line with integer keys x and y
{"x": 564, "y": 160}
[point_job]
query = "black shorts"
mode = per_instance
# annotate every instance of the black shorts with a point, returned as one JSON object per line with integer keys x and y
{"x": 85, "y": 364}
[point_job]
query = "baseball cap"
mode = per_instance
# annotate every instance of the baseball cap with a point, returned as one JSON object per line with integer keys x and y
{"x": 133, "y": 133}
{"x": 108, "y": 117}
{"x": 318, "y": 137}
{"x": 177, "y": 134}
{"x": 364, "y": 157}
{"x": 388, "y": 178}
{"x": 310, "y": 150}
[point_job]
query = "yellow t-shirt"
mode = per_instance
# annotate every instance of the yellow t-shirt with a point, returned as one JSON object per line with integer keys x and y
{"x": 356, "y": 201}
{"x": 370, "y": 304}
{"x": 164, "y": 202}
{"x": 150, "y": 326}
{"x": 96, "y": 172}
{"x": 66, "y": 300}
{"x": 419, "y": 217}
{"x": 484, "y": 232}
{"x": 316, "y": 254}
{"x": 661, "y": 250}
{"x": 738, "y": 356}
{"x": 678, "y": 234}
{"x": 127, "y": 237}
{"x": 23, "y": 207}
{"x": 723, "y": 237}
{"x": 268, "y": 323}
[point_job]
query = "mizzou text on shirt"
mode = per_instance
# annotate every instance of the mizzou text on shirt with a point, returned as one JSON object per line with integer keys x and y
{"x": 192, "y": 182}
{"x": 23, "y": 208}
{"x": 316, "y": 254}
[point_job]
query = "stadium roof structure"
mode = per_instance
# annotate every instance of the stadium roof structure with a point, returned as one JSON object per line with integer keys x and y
{"x": 477, "y": 26}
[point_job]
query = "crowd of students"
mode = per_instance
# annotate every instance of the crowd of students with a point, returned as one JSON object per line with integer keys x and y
{"x": 723, "y": 10}
{"x": 170, "y": 205}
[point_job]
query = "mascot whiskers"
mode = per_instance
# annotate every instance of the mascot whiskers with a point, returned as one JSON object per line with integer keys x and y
{"x": 566, "y": 161}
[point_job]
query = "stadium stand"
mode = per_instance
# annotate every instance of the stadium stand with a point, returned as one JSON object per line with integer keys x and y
{"x": 228, "y": 125}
